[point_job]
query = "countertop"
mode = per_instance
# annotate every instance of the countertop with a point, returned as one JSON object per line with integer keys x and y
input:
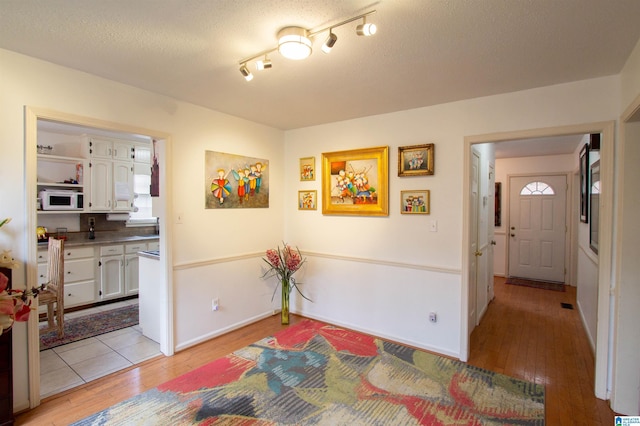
{"x": 150, "y": 254}
{"x": 110, "y": 238}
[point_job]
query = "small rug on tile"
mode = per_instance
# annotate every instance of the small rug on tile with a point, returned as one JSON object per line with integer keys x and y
{"x": 91, "y": 325}
{"x": 545, "y": 285}
{"x": 317, "y": 374}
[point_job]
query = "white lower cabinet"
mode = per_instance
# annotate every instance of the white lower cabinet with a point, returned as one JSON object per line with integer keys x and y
{"x": 132, "y": 267}
{"x": 79, "y": 275}
{"x": 96, "y": 273}
{"x": 111, "y": 266}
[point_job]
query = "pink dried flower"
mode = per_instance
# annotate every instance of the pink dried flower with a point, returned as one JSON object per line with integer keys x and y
{"x": 283, "y": 263}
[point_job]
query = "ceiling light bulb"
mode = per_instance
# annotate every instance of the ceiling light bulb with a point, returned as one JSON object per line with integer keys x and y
{"x": 331, "y": 40}
{"x": 365, "y": 29}
{"x": 264, "y": 64}
{"x": 294, "y": 43}
{"x": 246, "y": 73}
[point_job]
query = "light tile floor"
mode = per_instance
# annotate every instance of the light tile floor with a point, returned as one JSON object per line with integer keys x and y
{"x": 71, "y": 365}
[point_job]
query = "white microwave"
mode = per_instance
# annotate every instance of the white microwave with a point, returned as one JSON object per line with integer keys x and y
{"x": 61, "y": 200}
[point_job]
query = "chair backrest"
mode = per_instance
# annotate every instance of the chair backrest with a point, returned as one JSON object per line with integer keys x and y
{"x": 55, "y": 268}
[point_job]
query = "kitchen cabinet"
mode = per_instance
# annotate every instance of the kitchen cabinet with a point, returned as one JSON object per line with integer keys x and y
{"x": 132, "y": 266}
{"x": 111, "y": 175}
{"x": 142, "y": 153}
{"x": 111, "y": 266}
{"x": 79, "y": 275}
{"x": 114, "y": 149}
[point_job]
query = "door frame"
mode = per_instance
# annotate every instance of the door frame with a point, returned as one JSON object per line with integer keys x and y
{"x": 32, "y": 115}
{"x": 568, "y": 256}
{"x": 604, "y": 311}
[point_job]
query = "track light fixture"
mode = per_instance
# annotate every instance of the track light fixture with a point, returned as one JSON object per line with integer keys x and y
{"x": 365, "y": 29}
{"x": 331, "y": 40}
{"x": 264, "y": 64}
{"x": 245, "y": 72}
{"x": 296, "y": 43}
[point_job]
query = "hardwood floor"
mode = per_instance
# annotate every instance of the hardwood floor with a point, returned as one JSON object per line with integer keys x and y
{"x": 524, "y": 333}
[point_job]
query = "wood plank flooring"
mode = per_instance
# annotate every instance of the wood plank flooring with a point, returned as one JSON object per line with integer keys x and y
{"x": 525, "y": 334}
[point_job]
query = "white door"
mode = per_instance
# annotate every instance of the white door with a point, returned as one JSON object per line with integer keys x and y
{"x": 473, "y": 257}
{"x": 537, "y": 228}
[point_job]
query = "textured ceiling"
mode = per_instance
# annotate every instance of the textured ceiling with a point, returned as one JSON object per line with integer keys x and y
{"x": 426, "y": 52}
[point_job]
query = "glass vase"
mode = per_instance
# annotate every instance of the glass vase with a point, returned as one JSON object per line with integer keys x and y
{"x": 284, "y": 313}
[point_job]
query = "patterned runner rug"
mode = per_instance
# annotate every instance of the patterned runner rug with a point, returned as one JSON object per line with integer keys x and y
{"x": 317, "y": 374}
{"x": 535, "y": 284}
{"x": 91, "y": 325}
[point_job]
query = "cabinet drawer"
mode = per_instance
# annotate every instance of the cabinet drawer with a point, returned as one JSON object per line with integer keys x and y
{"x": 111, "y": 250}
{"x": 77, "y": 252}
{"x": 79, "y": 270}
{"x": 42, "y": 256}
{"x": 42, "y": 273}
{"x": 135, "y": 247}
{"x": 154, "y": 245}
{"x": 80, "y": 293}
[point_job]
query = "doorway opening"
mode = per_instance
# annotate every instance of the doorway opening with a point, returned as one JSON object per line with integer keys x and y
{"x": 89, "y": 290}
{"x": 602, "y": 304}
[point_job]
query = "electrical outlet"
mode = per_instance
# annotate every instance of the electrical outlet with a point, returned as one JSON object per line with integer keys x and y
{"x": 215, "y": 304}
{"x": 92, "y": 221}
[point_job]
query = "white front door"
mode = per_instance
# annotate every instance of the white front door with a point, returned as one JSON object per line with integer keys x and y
{"x": 537, "y": 228}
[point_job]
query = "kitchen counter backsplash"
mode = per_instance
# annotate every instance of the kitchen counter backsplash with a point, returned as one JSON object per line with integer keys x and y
{"x": 105, "y": 231}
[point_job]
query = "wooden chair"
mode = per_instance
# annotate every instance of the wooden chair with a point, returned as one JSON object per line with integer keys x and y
{"x": 54, "y": 291}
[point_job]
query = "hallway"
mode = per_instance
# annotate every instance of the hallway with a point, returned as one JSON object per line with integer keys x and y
{"x": 527, "y": 334}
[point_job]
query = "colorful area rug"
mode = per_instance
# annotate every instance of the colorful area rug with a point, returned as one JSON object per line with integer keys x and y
{"x": 535, "y": 284}
{"x": 91, "y": 325}
{"x": 316, "y": 374}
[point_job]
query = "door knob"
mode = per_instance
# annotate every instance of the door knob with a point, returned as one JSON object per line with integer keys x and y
{"x": 493, "y": 242}
{"x": 478, "y": 253}
{"x": 513, "y": 228}
{"x": 513, "y": 235}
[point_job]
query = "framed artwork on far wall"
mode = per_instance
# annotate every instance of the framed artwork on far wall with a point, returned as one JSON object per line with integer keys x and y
{"x": 308, "y": 200}
{"x": 594, "y": 206}
{"x": 416, "y": 160}
{"x": 584, "y": 184}
{"x": 308, "y": 168}
{"x": 356, "y": 182}
{"x": 414, "y": 202}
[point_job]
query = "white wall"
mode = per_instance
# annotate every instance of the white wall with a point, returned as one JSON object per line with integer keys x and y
{"x": 206, "y": 236}
{"x": 416, "y": 263}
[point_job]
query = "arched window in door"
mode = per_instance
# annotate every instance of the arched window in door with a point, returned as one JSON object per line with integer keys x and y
{"x": 537, "y": 188}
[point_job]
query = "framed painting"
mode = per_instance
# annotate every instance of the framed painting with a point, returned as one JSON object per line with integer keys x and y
{"x": 584, "y": 184}
{"x": 497, "y": 221}
{"x": 308, "y": 200}
{"x": 308, "y": 168}
{"x": 594, "y": 206}
{"x": 235, "y": 181}
{"x": 414, "y": 202}
{"x": 415, "y": 160}
{"x": 356, "y": 182}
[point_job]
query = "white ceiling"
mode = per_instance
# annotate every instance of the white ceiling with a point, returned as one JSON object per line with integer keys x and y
{"x": 426, "y": 52}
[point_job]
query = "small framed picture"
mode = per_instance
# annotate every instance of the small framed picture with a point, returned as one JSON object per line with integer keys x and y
{"x": 307, "y": 200}
{"x": 414, "y": 202}
{"x": 416, "y": 160}
{"x": 308, "y": 168}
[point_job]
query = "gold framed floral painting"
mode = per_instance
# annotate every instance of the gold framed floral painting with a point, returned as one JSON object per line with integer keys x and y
{"x": 356, "y": 182}
{"x": 416, "y": 160}
{"x": 308, "y": 200}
